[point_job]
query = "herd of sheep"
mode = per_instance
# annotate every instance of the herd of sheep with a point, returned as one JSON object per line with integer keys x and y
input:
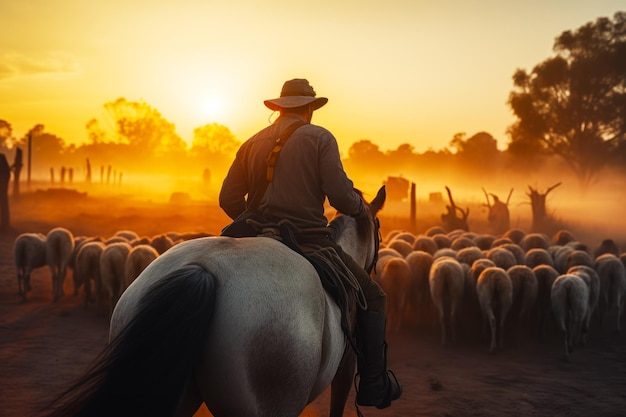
{"x": 516, "y": 282}
{"x": 104, "y": 267}
{"x": 457, "y": 281}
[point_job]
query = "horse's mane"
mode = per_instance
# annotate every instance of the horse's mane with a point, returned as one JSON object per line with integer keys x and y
{"x": 364, "y": 228}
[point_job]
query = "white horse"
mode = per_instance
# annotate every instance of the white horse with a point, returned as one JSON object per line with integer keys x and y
{"x": 241, "y": 324}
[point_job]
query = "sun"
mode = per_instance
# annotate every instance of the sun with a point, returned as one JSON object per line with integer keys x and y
{"x": 212, "y": 108}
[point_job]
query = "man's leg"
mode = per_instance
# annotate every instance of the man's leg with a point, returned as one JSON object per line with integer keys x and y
{"x": 377, "y": 386}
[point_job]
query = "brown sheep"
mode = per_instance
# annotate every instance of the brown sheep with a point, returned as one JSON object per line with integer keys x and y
{"x": 59, "y": 248}
{"x": 112, "y": 271}
{"x": 495, "y": 295}
{"x": 137, "y": 260}
{"x": 29, "y": 253}
{"x": 447, "y": 288}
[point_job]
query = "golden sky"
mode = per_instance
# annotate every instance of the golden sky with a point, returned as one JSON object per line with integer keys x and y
{"x": 396, "y": 71}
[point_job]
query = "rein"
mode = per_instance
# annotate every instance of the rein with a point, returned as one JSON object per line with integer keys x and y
{"x": 377, "y": 239}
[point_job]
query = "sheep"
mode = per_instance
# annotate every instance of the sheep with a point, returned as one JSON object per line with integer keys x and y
{"x": 79, "y": 242}
{"x": 138, "y": 259}
{"x": 59, "y": 248}
{"x": 471, "y": 306}
{"x": 570, "y": 302}
{"x": 535, "y": 240}
{"x": 426, "y": 244}
{"x": 143, "y": 240}
{"x": 563, "y": 237}
{"x": 606, "y": 246}
{"x": 384, "y": 255}
{"x": 538, "y": 256}
{"x": 129, "y": 235}
{"x": 456, "y": 233}
{"x": 495, "y": 296}
{"x": 388, "y": 238}
{"x": 500, "y": 241}
{"x": 401, "y": 246}
{"x": 516, "y": 235}
{"x": 612, "y": 275}
{"x": 435, "y": 230}
{"x": 161, "y": 243}
{"x": 451, "y": 253}
{"x": 501, "y": 257}
{"x": 112, "y": 264}
{"x": 395, "y": 280}
{"x": 484, "y": 242}
{"x": 517, "y": 251}
{"x": 546, "y": 275}
{"x": 577, "y": 257}
{"x": 525, "y": 290}
{"x": 469, "y": 255}
{"x": 29, "y": 253}
{"x": 420, "y": 263}
{"x": 405, "y": 236}
{"x": 88, "y": 269}
{"x": 590, "y": 276}
{"x": 442, "y": 241}
{"x": 462, "y": 242}
{"x": 447, "y": 286}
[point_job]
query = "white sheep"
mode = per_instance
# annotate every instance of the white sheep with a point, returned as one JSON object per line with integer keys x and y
{"x": 591, "y": 278}
{"x": 495, "y": 294}
{"x": 29, "y": 253}
{"x": 59, "y": 248}
{"x": 570, "y": 302}
{"x": 577, "y": 257}
{"x": 612, "y": 275}
{"x": 137, "y": 260}
{"x": 112, "y": 265}
{"x": 87, "y": 269}
{"x": 447, "y": 287}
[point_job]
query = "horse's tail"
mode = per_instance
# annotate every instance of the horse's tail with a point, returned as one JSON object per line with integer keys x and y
{"x": 143, "y": 370}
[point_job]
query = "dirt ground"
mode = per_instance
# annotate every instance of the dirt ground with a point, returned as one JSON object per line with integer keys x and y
{"x": 44, "y": 345}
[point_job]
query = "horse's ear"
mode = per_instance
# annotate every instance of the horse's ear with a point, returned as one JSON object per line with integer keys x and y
{"x": 377, "y": 203}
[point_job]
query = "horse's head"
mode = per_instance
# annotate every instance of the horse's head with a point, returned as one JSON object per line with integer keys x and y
{"x": 360, "y": 238}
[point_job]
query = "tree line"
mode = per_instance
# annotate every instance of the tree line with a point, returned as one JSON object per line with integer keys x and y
{"x": 571, "y": 106}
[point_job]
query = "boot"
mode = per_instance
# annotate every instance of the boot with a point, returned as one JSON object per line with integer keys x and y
{"x": 377, "y": 386}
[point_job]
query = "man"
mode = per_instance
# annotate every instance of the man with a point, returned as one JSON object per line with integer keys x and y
{"x": 308, "y": 171}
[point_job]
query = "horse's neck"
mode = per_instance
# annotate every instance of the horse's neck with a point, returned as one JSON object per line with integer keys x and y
{"x": 349, "y": 241}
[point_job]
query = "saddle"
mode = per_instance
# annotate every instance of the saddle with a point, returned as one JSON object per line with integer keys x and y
{"x": 338, "y": 281}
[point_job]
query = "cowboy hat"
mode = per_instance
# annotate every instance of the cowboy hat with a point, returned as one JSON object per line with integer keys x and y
{"x": 296, "y": 93}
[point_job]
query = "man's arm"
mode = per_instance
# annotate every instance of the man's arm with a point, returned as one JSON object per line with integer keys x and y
{"x": 234, "y": 189}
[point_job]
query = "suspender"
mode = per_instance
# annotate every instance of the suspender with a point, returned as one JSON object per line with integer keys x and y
{"x": 272, "y": 158}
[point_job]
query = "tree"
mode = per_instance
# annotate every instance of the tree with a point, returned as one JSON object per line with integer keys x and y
{"x": 142, "y": 127}
{"x": 574, "y": 104}
{"x": 6, "y": 133}
{"x": 213, "y": 140}
{"x": 365, "y": 153}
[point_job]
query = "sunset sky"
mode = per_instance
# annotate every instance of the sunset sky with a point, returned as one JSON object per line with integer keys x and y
{"x": 395, "y": 71}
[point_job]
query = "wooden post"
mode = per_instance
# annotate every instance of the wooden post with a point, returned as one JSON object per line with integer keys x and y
{"x": 30, "y": 152}
{"x": 413, "y": 209}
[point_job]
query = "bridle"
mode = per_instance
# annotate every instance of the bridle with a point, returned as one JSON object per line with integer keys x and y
{"x": 377, "y": 239}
